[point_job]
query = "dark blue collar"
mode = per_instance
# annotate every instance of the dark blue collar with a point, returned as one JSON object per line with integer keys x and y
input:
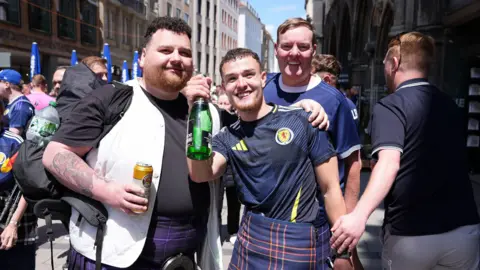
{"x": 412, "y": 81}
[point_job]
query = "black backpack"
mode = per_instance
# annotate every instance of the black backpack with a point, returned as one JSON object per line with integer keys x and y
{"x": 50, "y": 199}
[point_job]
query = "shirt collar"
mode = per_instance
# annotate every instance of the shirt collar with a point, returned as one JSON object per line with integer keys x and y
{"x": 417, "y": 80}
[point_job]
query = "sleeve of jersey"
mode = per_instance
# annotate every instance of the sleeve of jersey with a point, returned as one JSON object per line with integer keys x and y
{"x": 6, "y": 167}
{"x": 320, "y": 147}
{"x": 344, "y": 131}
{"x": 20, "y": 115}
{"x": 387, "y": 130}
{"x": 84, "y": 124}
{"x": 218, "y": 144}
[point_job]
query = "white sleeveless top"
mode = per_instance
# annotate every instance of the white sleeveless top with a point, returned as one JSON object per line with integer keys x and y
{"x": 138, "y": 136}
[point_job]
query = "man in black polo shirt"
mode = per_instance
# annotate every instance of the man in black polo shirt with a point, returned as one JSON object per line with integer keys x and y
{"x": 431, "y": 221}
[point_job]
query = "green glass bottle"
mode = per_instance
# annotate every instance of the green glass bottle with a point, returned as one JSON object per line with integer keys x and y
{"x": 199, "y": 136}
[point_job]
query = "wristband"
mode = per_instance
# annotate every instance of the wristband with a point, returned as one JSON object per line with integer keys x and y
{"x": 13, "y": 222}
{"x": 345, "y": 255}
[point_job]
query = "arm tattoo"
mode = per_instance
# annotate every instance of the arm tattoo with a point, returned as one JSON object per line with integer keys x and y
{"x": 73, "y": 169}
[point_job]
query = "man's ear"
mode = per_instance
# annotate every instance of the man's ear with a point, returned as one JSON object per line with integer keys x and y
{"x": 395, "y": 63}
{"x": 264, "y": 78}
{"x": 141, "y": 61}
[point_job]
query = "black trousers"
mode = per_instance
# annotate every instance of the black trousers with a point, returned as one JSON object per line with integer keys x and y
{"x": 233, "y": 210}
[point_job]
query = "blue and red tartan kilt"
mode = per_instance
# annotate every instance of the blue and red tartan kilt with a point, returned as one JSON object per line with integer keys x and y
{"x": 265, "y": 243}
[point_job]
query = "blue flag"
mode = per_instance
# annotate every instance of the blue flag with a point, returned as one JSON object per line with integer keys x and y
{"x": 136, "y": 70}
{"x": 106, "y": 55}
{"x": 35, "y": 61}
{"x": 125, "y": 76}
{"x": 74, "y": 59}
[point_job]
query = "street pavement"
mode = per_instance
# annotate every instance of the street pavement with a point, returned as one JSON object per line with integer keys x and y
{"x": 369, "y": 247}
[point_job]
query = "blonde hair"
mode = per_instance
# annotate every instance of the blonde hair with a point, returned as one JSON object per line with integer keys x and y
{"x": 414, "y": 51}
{"x": 91, "y": 61}
{"x": 295, "y": 23}
{"x": 38, "y": 80}
{"x": 326, "y": 63}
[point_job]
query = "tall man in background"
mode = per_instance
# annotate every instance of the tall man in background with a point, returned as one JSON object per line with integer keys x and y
{"x": 295, "y": 48}
{"x": 431, "y": 220}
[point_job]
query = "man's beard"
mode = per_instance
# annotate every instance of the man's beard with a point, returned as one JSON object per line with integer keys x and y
{"x": 165, "y": 80}
{"x": 253, "y": 105}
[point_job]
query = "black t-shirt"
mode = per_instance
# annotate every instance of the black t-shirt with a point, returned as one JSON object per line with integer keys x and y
{"x": 177, "y": 194}
{"x": 432, "y": 192}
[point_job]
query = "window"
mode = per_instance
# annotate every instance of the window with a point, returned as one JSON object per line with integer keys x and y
{"x": 179, "y": 13}
{"x": 66, "y": 19}
{"x": 199, "y": 61}
{"x": 139, "y": 34}
{"x": 208, "y": 36}
{"x": 214, "y": 62}
{"x": 88, "y": 15}
{"x": 215, "y": 13}
{"x": 109, "y": 24}
{"x": 169, "y": 10}
{"x": 199, "y": 33}
{"x": 185, "y": 17}
{"x": 214, "y": 38}
{"x": 39, "y": 17}
{"x": 199, "y": 6}
{"x": 10, "y": 12}
{"x": 208, "y": 9}
{"x": 208, "y": 62}
{"x": 125, "y": 37}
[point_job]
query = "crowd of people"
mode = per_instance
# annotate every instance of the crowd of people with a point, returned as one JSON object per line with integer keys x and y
{"x": 288, "y": 151}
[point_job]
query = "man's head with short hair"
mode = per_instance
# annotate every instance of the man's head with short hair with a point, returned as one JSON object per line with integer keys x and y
{"x": 39, "y": 83}
{"x": 166, "y": 58}
{"x": 327, "y": 67}
{"x": 10, "y": 80}
{"x": 243, "y": 80}
{"x": 295, "y": 48}
{"x": 409, "y": 56}
{"x": 97, "y": 65}
{"x": 57, "y": 80}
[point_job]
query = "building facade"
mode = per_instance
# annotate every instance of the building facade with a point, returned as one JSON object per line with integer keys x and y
{"x": 358, "y": 33}
{"x": 250, "y": 29}
{"x": 174, "y": 8}
{"x": 268, "y": 52}
{"x": 315, "y": 11}
{"x": 124, "y": 23}
{"x": 57, "y": 26}
{"x": 228, "y": 38}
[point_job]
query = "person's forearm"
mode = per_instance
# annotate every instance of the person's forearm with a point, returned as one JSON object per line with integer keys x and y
{"x": 378, "y": 187}
{"x": 353, "y": 166}
{"x": 201, "y": 170}
{"x": 334, "y": 203}
{"x": 18, "y": 214}
{"x": 71, "y": 171}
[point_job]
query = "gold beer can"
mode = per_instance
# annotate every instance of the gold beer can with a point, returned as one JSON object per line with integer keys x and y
{"x": 142, "y": 176}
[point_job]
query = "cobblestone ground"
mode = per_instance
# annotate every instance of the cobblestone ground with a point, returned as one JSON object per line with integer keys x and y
{"x": 369, "y": 247}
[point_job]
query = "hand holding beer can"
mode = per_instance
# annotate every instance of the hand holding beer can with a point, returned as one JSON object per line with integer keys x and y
{"x": 142, "y": 176}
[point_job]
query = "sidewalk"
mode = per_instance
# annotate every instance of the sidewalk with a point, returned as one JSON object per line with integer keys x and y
{"x": 369, "y": 247}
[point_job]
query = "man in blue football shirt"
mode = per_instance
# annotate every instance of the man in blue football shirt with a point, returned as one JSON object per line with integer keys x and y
{"x": 18, "y": 110}
{"x": 295, "y": 48}
{"x": 279, "y": 159}
{"x": 328, "y": 69}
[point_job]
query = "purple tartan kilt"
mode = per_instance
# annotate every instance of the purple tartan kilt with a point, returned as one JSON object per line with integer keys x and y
{"x": 265, "y": 243}
{"x": 166, "y": 237}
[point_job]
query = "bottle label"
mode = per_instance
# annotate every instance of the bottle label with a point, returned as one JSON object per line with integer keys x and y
{"x": 42, "y": 127}
{"x": 199, "y": 131}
